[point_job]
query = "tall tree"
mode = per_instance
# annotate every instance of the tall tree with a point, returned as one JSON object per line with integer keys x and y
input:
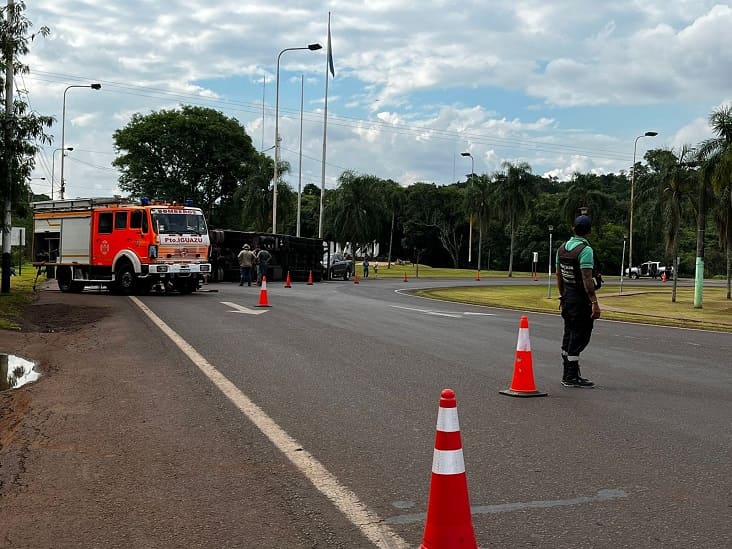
{"x": 586, "y": 190}
{"x": 675, "y": 186}
{"x": 193, "y": 152}
{"x": 22, "y": 130}
{"x": 717, "y": 156}
{"x": 511, "y": 196}
{"x": 394, "y": 197}
{"x": 358, "y": 211}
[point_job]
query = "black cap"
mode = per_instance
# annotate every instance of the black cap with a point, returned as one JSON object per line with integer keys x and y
{"x": 583, "y": 223}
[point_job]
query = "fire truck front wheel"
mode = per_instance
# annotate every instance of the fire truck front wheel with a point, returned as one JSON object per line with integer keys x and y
{"x": 124, "y": 278}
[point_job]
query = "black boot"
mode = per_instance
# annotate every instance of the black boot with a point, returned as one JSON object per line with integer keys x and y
{"x": 565, "y": 364}
{"x": 583, "y": 382}
{"x": 573, "y": 378}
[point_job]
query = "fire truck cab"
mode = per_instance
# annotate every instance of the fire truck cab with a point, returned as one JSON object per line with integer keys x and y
{"x": 128, "y": 246}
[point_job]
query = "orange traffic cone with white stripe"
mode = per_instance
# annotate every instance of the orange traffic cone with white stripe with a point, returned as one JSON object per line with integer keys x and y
{"x": 477, "y": 276}
{"x": 356, "y": 280}
{"x": 310, "y": 278}
{"x": 288, "y": 282}
{"x": 405, "y": 277}
{"x": 263, "y": 299}
{"x": 523, "y": 371}
{"x": 449, "y": 522}
{"x": 536, "y": 276}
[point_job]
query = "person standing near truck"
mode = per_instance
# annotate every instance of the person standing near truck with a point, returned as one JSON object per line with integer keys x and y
{"x": 246, "y": 260}
{"x": 576, "y": 283}
{"x": 263, "y": 257}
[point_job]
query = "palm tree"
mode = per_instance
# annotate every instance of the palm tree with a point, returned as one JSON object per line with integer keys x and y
{"x": 255, "y": 196}
{"x": 359, "y": 210}
{"x": 585, "y": 191}
{"x": 675, "y": 188}
{"x": 394, "y": 196}
{"x": 511, "y": 195}
{"x": 716, "y": 153}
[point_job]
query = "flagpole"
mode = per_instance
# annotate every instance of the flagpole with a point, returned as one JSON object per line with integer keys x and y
{"x": 328, "y": 68}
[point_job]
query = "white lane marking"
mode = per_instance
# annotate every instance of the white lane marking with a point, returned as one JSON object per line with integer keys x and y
{"x": 241, "y": 309}
{"x": 428, "y": 311}
{"x": 602, "y": 495}
{"x": 436, "y": 313}
{"x": 346, "y": 501}
{"x": 467, "y": 313}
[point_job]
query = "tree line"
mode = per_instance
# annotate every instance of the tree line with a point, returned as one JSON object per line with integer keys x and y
{"x": 680, "y": 195}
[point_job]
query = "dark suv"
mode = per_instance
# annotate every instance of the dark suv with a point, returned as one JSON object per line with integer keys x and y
{"x": 339, "y": 266}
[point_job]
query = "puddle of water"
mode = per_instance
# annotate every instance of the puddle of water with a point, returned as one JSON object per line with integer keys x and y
{"x": 16, "y": 372}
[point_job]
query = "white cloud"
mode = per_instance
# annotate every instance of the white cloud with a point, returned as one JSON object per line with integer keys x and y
{"x": 563, "y": 85}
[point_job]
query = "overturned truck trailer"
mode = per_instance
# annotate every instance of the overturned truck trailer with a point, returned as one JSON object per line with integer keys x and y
{"x": 294, "y": 254}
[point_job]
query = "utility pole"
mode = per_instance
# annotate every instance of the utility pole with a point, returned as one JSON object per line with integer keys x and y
{"x": 7, "y": 219}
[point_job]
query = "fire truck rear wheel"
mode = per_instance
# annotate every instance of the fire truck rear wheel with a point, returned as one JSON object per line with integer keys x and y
{"x": 63, "y": 277}
{"x": 124, "y": 278}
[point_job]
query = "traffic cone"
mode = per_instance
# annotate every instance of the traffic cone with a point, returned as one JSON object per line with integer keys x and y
{"x": 523, "y": 370}
{"x": 663, "y": 277}
{"x": 536, "y": 276}
{"x": 356, "y": 279}
{"x": 449, "y": 523}
{"x": 263, "y": 299}
{"x": 477, "y": 276}
{"x": 310, "y": 278}
{"x": 405, "y": 277}
{"x": 288, "y": 283}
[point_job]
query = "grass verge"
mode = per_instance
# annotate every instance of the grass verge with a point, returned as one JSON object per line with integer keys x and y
{"x": 424, "y": 271}
{"x": 21, "y": 294}
{"x": 634, "y": 304}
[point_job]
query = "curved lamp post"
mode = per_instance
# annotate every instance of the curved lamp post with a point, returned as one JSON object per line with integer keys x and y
{"x": 63, "y": 129}
{"x": 311, "y": 47}
{"x": 470, "y": 229}
{"x": 632, "y": 198}
{"x": 53, "y": 165}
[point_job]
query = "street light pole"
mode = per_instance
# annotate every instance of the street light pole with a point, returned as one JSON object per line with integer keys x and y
{"x": 622, "y": 263}
{"x": 299, "y": 170}
{"x": 311, "y": 47}
{"x": 470, "y": 229}
{"x": 549, "y": 283}
{"x": 632, "y": 199}
{"x": 53, "y": 165}
{"x": 63, "y": 129}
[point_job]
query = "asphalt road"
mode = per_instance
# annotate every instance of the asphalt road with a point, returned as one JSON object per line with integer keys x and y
{"x": 353, "y": 374}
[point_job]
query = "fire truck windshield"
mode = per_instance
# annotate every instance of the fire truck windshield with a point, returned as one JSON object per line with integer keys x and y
{"x": 168, "y": 221}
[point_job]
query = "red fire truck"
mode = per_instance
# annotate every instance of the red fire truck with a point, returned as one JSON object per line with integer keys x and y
{"x": 131, "y": 247}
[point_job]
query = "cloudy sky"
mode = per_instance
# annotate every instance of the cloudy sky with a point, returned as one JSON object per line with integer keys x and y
{"x": 565, "y": 86}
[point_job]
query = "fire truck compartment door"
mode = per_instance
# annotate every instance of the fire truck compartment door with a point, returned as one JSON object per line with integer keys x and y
{"x": 75, "y": 233}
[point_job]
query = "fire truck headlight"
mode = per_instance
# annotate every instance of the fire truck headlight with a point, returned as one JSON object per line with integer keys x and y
{"x": 162, "y": 268}
{"x": 205, "y": 268}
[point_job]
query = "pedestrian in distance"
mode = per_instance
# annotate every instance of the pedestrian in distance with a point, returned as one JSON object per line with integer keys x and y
{"x": 246, "y": 262}
{"x": 577, "y": 282}
{"x": 376, "y": 270}
{"x": 365, "y": 267}
{"x": 263, "y": 258}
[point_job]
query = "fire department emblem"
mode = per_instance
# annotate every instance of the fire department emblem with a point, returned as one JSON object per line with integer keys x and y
{"x": 104, "y": 247}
